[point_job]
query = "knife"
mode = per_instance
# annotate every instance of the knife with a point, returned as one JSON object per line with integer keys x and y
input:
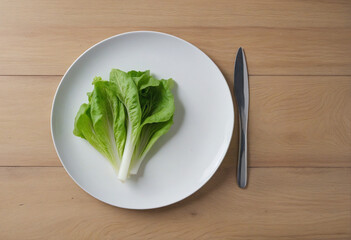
{"x": 241, "y": 91}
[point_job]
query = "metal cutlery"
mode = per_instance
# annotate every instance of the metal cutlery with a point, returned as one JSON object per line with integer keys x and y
{"x": 241, "y": 91}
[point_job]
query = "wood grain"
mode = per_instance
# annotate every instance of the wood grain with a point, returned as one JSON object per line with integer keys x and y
{"x": 44, "y": 203}
{"x": 307, "y": 119}
{"x": 45, "y": 37}
{"x": 300, "y": 121}
{"x": 211, "y": 13}
{"x": 25, "y": 108}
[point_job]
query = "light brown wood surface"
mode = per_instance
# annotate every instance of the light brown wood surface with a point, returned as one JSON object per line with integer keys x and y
{"x": 281, "y": 203}
{"x": 299, "y": 59}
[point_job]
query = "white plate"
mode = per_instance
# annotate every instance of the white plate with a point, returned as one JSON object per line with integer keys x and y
{"x": 184, "y": 159}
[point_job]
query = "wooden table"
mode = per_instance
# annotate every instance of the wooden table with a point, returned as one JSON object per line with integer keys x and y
{"x": 299, "y": 59}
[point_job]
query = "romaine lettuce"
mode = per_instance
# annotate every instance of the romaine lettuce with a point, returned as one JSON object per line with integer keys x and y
{"x": 125, "y": 116}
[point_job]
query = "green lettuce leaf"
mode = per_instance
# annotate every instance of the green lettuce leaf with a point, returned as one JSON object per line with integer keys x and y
{"x": 127, "y": 92}
{"x": 149, "y": 135}
{"x": 102, "y": 122}
{"x": 125, "y": 116}
{"x": 158, "y": 107}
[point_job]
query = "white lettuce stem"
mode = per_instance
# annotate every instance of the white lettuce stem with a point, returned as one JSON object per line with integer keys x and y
{"x": 136, "y": 165}
{"x": 127, "y": 155}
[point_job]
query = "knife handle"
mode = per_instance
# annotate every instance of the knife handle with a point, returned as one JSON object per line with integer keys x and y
{"x": 242, "y": 153}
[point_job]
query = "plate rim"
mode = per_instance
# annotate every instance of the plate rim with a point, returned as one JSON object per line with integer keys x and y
{"x": 221, "y": 157}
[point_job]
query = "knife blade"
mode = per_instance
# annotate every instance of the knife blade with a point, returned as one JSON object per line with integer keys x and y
{"x": 241, "y": 91}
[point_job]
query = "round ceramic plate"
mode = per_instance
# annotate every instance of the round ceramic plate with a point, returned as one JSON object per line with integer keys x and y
{"x": 184, "y": 159}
